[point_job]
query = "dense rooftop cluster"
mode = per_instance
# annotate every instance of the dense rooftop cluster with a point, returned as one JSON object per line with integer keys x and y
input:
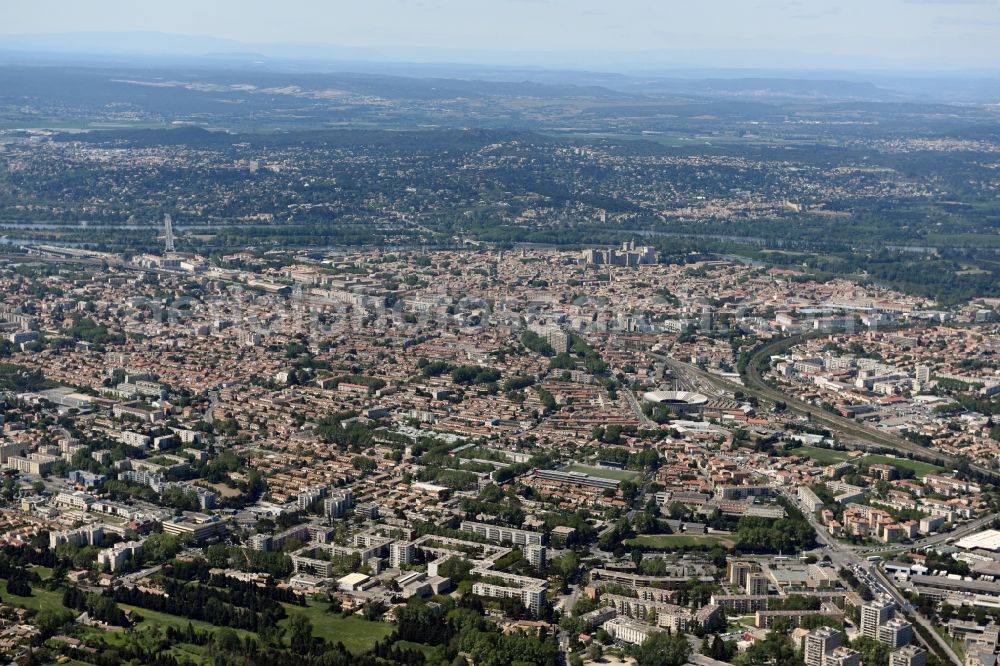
{"x": 359, "y": 442}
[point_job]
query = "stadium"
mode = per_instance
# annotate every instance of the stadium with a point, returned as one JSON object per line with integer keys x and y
{"x": 682, "y": 402}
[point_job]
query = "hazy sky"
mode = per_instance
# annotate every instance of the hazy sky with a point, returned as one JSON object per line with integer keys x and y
{"x": 849, "y": 33}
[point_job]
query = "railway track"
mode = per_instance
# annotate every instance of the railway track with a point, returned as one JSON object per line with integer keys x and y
{"x": 851, "y": 432}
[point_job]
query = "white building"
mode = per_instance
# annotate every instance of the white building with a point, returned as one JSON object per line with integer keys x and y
{"x": 136, "y": 439}
{"x": 400, "y": 553}
{"x": 627, "y": 630}
{"x": 874, "y": 614}
{"x": 74, "y": 500}
{"x": 119, "y": 554}
{"x": 502, "y": 534}
{"x": 338, "y": 504}
{"x": 502, "y": 585}
{"x": 88, "y": 535}
{"x": 842, "y": 656}
{"x": 535, "y": 555}
{"x": 809, "y": 500}
{"x": 818, "y": 642}
{"x": 896, "y": 633}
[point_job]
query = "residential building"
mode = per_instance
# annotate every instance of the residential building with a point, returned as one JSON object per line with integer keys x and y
{"x": 739, "y": 571}
{"x": 118, "y": 554}
{"x": 874, "y": 614}
{"x": 842, "y": 656}
{"x": 88, "y": 535}
{"x": 198, "y": 527}
{"x": 818, "y": 642}
{"x": 400, "y": 553}
{"x": 909, "y": 655}
{"x": 337, "y": 504}
{"x": 756, "y": 584}
{"x": 503, "y": 534}
{"x": 631, "y": 631}
{"x": 896, "y": 633}
{"x": 535, "y": 555}
{"x": 531, "y": 591}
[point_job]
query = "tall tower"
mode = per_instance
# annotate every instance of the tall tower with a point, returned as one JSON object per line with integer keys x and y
{"x": 818, "y": 643}
{"x": 168, "y": 234}
{"x": 874, "y": 614}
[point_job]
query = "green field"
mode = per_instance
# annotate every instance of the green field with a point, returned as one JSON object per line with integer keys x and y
{"x": 919, "y": 468}
{"x": 604, "y": 473}
{"x": 194, "y": 653}
{"x": 356, "y": 633}
{"x": 410, "y": 645}
{"x": 151, "y": 617}
{"x": 829, "y": 456}
{"x": 822, "y": 456}
{"x": 39, "y": 599}
{"x": 671, "y": 541}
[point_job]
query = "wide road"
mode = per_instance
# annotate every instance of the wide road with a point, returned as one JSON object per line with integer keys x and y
{"x": 843, "y": 557}
{"x": 637, "y": 410}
